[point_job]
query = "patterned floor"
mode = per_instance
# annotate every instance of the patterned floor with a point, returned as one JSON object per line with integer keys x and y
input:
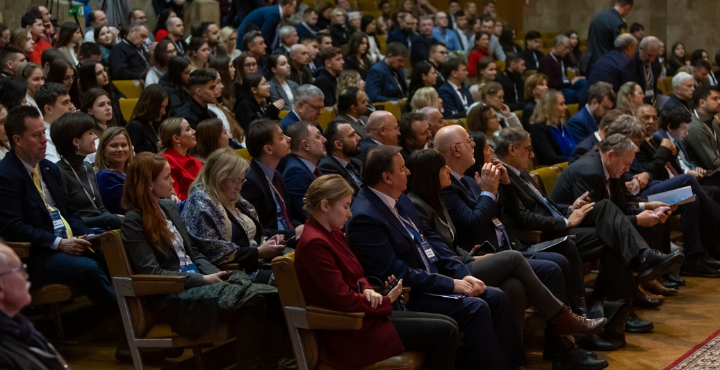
{"x": 705, "y": 356}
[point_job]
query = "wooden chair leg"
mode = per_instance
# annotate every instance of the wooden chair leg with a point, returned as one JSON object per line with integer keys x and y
{"x": 54, "y": 310}
{"x": 197, "y": 353}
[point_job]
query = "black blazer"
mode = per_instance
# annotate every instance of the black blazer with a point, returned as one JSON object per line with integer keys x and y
{"x": 128, "y": 62}
{"x": 246, "y": 257}
{"x": 329, "y": 166}
{"x": 257, "y": 191}
{"x": 546, "y": 147}
{"x": 471, "y": 213}
{"x": 635, "y": 71}
{"x": 177, "y": 96}
{"x": 514, "y": 88}
{"x": 194, "y": 113}
{"x": 143, "y": 136}
{"x": 327, "y": 83}
{"x": 583, "y": 148}
{"x": 247, "y": 110}
{"x": 654, "y": 157}
{"x": 162, "y": 261}
{"x": 23, "y": 216}
{"x": 532, "y": 213}
{"x": 340, "y": 35}
{"x": 352, "y": 62}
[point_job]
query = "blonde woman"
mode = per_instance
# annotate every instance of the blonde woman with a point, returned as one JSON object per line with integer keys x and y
{"x": 351, "y": 78}
{"x": 228, "y": 37}
{"x": 176, "y": 139}
{"x": 551, "y": 141}
{"x": 33, "y": 76}
{"x": 630, "y": 97}
{"x": 426, "y": 97}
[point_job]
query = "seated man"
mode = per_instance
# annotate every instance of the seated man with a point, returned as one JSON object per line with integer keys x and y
{"x": 383, "y": 129}
{"x": 455, "y": 96}
{"x": 386, "y": 80}
{"x": 265, "y": 188}
{"x": 644, "y": 68}
{"x": 533, "y": 53}
{"x": 35, "y": 211}
{"x": 442, "y": 33}
{"x": 352, "y": 108}
{"x": 701, "y": 70}
{"x": 53, "y": 99}
{"x": 435, "y": 122}
{"x": 308, "y": 107}
{"x": 585, "y": 122}
{"x": 512, "y": 81}
{"x": 128, "y": 59}
{"x": 405, "y": 34}
{"x": 589, "y": 144}
{"x": 342, "y": 145}
{"x": 307, "y": 147}
{"x": 421, "y": 44}
{"x": 553, "y": 66}
{"x": 683, "y": 86}
{"x": 327, "y": 78}
{"x": 300, "y": 71}
{"x": 702, "y": 137}
{"x": 414, "y": 133}
{"x": 288, "y": 37}
{"x": 609, "y": 67}
{"x": 201, "y": 86}
{"x": 12, "y": 59}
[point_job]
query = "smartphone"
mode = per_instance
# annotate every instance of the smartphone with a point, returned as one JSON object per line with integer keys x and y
{"x": 482, "y": 249}
{"x": 286, "y": 241}
{"x": 90, "y": 238}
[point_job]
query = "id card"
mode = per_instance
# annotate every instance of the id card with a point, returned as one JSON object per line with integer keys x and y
{"x": 649, "y": 92}
{"x": 498, "y": 224}
{"x": 188, "y": 268}
{"x": 428, "y": 251}
{"x": 58, "y": 225}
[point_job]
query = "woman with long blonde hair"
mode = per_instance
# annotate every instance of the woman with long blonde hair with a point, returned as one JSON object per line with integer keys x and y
{"x": 551, "y": 140}
{"x": 426, "y": 97}
{"x": 176, "y": 139}
{"x": 630, "y": 97}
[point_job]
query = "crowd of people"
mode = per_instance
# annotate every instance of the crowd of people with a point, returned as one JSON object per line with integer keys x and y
{"x": 369, "y": 198}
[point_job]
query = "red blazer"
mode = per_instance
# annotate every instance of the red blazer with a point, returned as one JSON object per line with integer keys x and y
{"x": 329, "y": 274}
{"x": 183, "y": 170}
{"x": 473, "y": 60}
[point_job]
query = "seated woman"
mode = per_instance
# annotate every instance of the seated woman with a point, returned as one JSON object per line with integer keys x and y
{"x": 74, "y": 138}
{"x": 157, "y": 242}
{"x": 552, "y": 143}
{"x": 245, "y": 64}
{"x": 225, "y": 95}
{"x": 93, "y": 75}
{"x": 176, "y": 138}
{"x": 423, "y": 75}
{"x": 114, "y": 154}
{"x": 479, "y": 51}
{"x": 331, "y": 276}
{"x": 14, "y": 92}
{"x": 280, "y": 87}
{"x": 33, "y": 76}
{"x": 223, "y": 222}
{"x": 98, "y": 105}
{"x": 105, "y": 39}
{"x": 252, "y": 102}
{"x": 482, "y": 119}
{"x": 62, "y": 72}
{"x": 211, "y": 136}
{"x": 486, "y": 71}
{"x": 198, "y": 53}
{"x": 630, "y": 97}
{"x": 69, "y": 41}
{"x": 159, "y": 65}
{"x": 494, "y": 95}
{"x": 482, "y": 151}
{"x": 175, "y": 83}
{"x": 426, "y": 97}
{"x": 357, "y": 55}
{"x": 535, "y": 87}
{"x": 146, "y": 118}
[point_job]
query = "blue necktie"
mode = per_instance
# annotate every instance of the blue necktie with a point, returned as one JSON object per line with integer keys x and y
{"x": 547, "y": 204}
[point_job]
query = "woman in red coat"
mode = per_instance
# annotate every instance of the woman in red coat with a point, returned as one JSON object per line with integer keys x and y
{"x": 176, "y": 138}
{"x": 331, "y": 276}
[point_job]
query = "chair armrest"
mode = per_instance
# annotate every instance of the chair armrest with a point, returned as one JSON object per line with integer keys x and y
{"x": 229, "y": 267}
{"x": 22, "y": 249}
{"x": 529, "y": 236}
{"x": 320, "y": 318}
{"x": 157, "y": 284}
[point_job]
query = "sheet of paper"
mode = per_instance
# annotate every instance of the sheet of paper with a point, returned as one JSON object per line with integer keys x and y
{"x": 673, "y": 196}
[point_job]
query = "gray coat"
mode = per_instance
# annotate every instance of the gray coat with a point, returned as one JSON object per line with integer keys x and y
{"x": 703, "y": 143}
{"x": 277, "y": 92}
{"x": 359, "y": 129}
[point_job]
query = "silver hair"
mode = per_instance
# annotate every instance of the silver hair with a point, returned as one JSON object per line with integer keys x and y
{"x": 617, "y": 143}
{"x": 650, "y": 41}
{"x": 512, "y": 136}
{"x": 559, "y": 39}
{"x": 628, "y": 126}
{"x": 624, "y": 41}
{"x": 352, "y": 15}
{"x": 285, "y": 31}
{"x": 136, "y": 26}
{"x": 306, "y": 92}
{"x": 680, "y": 78}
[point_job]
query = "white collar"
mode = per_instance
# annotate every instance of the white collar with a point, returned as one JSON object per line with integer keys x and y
{"x": 513, "y": 169}
{"x": 456, "y": 175}
{"x": 455, "y": 87}
{"x": 389, "y": 201}
{"x": 597, "y": 136}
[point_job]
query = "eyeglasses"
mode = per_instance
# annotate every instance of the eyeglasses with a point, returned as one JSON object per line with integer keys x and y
{"x": 237, "y": 181}
{"x": 70, "y": 78}
{"x": 528, "y": 148}
{"x": 317, "y": 108}
{"x": 21, "y": 268}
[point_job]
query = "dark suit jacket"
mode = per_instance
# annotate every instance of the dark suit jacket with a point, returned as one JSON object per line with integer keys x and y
{"x": 247, "y": 110}
{"x": 277, "y": 92}
{"x": 657, "y": 137}
{"x": 397, "y": 35}
{"x": 582, "y": 125}
{"x": 126, "y": 62}
{"x": 654, "y": 157}
{"x": 359, "y": 129}
{"x": 194, "y": 113}
{"x": 635, "y": 71}
{"x": 23, "y": 214}
{"x": 604, "y": 28}
{"x": 582, "y": 148}
{"x": 431, "y": 221}
{"x": 177, "y": 96}
{"x": 240, "y": 9}
{"x": 546, "y": 147}
{"x": 266, "y": 19}
{"x": 514, "y": 88}
{"x": 675, "y": 101}
{"x": 304, "y": 31}
{"x": 143, "y": 136}
{"x": 257, "y": 191}
{"x": 471, "y": 213}
{"x": 330, "y": 166}
{"x": 384, "y": 247}
{"x": 352, "y": 62}
{"x": 528, "y": 110}
{"x": 452, "y": 105}
{"x": 145, "y": 259}
{"x": 301, "y": 77}
{"x": 609, "y": 68}
{"x": 365, "y": 145}
{"x": 553, "y": 71}
{"x": 380, "y": 84}
{"x": 420, "y": 49}
{"x": 327, "y": 83}
{"x": 291, "y": 118}
{"x": 587, "y": 174}
{"x": 340, "y": 34}
{"x": 298, "y": 179}
{"x": 532, "y": 213}
{"x": 532, "y": 59}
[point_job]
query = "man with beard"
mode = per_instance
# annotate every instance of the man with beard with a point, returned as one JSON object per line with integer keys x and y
{"x": 342, "y": 145}
{"x": 353, "y": 109}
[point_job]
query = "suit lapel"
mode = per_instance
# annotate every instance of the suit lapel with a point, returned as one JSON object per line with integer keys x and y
{"x": 34, "y": 194}
{"x": 467, "y": 193}
{"x": 53, "y": 187}
{"x": 522, "y": 178}
{"x": 389, "y": 215}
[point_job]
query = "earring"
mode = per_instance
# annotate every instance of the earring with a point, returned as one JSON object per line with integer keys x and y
{"x": 77, "y": 148}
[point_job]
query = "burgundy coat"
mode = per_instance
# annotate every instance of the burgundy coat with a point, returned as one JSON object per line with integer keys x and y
{"x": 329, "y": 274}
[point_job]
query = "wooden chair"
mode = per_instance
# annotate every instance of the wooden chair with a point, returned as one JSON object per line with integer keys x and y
{"x": 303, "y": 320}
{"x": 518, "y": 113}
{"x": 327, "y": 115}
{"x": 500, "y": 65}
{"x": 243, "y": 152}
{"x": 50, "y": 294}
{"x": 127, "y": 106}
{"x": 143, "y": 327}
{"x": 130, "y": 88}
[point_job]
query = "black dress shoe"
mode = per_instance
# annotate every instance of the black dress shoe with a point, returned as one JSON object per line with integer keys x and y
{"x": 657, "y": 263}
{"x": 577, "y": 358}
{"x": 645, "y": 302}
{"x": 668, "y": 283}
{"x": 579, "y": 307}
{"x": 713, "y": 263}
{"x": 697, "y": 267}
{"x": 597, "y": 343}
{"x": 634, "y": 324}
{"x": 675, "y": 279}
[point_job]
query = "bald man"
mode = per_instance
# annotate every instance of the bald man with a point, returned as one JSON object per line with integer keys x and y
{"x": 435, "y": 121}
{"x": 299, "y": 69}
{"x": 382, "y": 129}
{"x": 644, "y": 68}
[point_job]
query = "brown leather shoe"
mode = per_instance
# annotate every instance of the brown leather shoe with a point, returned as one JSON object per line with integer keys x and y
{"x": 655, "y": 287}
{"x": 568, "y": 323}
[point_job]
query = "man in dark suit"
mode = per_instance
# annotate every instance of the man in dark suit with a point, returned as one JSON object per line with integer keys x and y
{"x": 512, "y": 82}
{"x": 307, "y": 147}
{"x": 455, "y": 96}
{"x": 404, "y": 34}
{"x": 438, "y": 56}
{"x": 683, "y": 85}
{"x": 388, "y": 238}
{"x": 265, "y": 187}
{"x": 268, "y": 19}
{"x": 308, "y": 107}
{"x": 605, "y": 27}
{"x": 386, "y": 80}
{"x": 585, "y": 122}
{"x": 533, "y": 53}
{"x": 588, "y": 144}
{"x": 611, "y": 66}
{"x": 414, "y": 133}
{"x": 35, "y": 210}
{"x": 342, "y": 145}
{"x": 327, "y": 78}
{"x": 201, "y": 86}
{"x": 176, "y": 31}
{"x": 383, "y": 129}
{"x": 288, "y": 38}
{"x": 420, "y": 49}
{"x": 352, "y": 108}
{"x": 128, "y": 59}
{"x": 239, "y": 9}
{"x": 308, "y": 27}
{"x": 644, "y": 68}
{"x": 553, "y": 66}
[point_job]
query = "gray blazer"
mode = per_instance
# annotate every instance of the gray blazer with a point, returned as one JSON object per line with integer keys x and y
{"x": 277, "y": 92}
{"x": 359, "y": 129}
{"x": 703, "y": 142}
{"x": 148, "y": 260}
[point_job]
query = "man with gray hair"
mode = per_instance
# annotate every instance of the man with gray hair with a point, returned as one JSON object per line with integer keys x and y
{"x": 309, "y": 104}
{"x": 307, "y": 147}
{"x": 683, "y": 88}
{"x": 299, "y": 59}
{"x": 128, "y": 59}
{"x": 288, "y": 38}
{"x": 644, "y": 68}
{"x": 382, "y": 129}
{"x": 435, "y": 120}
{"x": 609, "y": 68}
{"x": 553, "y": 66}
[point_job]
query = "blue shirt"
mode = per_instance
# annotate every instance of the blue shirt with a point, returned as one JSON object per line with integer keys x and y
{"x": 564, "y": 140}
{"x": 447, "y": 37}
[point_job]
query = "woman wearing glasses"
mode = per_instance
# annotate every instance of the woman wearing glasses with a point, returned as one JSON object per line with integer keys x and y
{"x": 226, "y": 224}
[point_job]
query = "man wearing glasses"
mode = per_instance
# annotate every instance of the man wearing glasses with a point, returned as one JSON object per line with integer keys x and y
{"x": 309, "y": 104}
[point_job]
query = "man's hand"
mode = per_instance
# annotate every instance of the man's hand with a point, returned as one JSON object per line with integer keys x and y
{"x": 653, "y": 205}
{"x": 579, "y": 214}
{"x": 663, "y": 213}
{"x": 669, "y": 144}
{"x": 643, "y": 178}
{"x": 463, "y": 287}
{"x": 633, "y": 186}
{"x": 74, "y": 246}
{"x": 504, "y": 178}
{"x": 477, "y": 284}
{"x": 581, "y": 201}
{"x": 489, "y": 180}
{"x": 696, "y": 174}
{"x": 647, "y": 219}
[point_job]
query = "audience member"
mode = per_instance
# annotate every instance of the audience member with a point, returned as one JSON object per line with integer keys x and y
{"x": 435, "y": 120}
{"x": 202, "y": 87}
{"x": 176, "y": 138}
{"x": 308, "y": 26}
{"x": 339, "y": 30}
{"x": 700, "y": 72}
{"x": 677, "y": 58}
{"x": 114, "y": 154}
{"x": 228, "y": 40}
{"x": 307, "y": 147}
{"x": 494, "y": 95}
{"x": 630, "y": 97}
{"x": 146, "y": 118}
{"x": 326, "y": 78}
{"x": 405, "y": 34}
{"x": 69, "y": 42}
{"x": 369, "y": 27}
{"x": 14, "y": 90}
{"x": 4, "y": 143}
{"x": 637, "y": 30}
{"x": 683, "y": 85}
{"x": 589, "y": 144}
{"x": 425, "y": 97}
{"x": 175, "y": 83}
{"x": 604, "y": 29}
{"x": 253, "y": 103}
{"x": 33, "y": 76}
{"x": 478, "y": 52}
{"x": 12, "y": 59}
{"x": 267, "y": 19}
{"x": 352, "y": 109}
{"x": 164, "y": 50}
{"x": 423, "y": 41}
{"x": 35, "y": 26}
{"x": 414, "y": 133}
{"x": 308, "y": 107}
{"x": 49, "y": 34}
{"x": 611, "y": 67}
{"x": 483, "y": 119}
{"x": 508, "y": 41}
{"x": 245, "y": 64}
{"x": 280, "y": 88}
{"x": 702, "y": 134}
{"x": 211, "y": 136}
{"x": 438, "y": 56}
{"x": 22, "y": 39}
{"x": 93, "y": 75}
{"x": 300, "y": 63}
{"x": 512, "y": 82}
{"x": 175, "y": 33}
{"x": 575, "y": 55}
{"x": 357, "y": 58}
{"x": 423, "y": 75}
{"x": 486, "y": 72}
{"x": 288, "y": 37}
{"x": 533, "y": 53}
{"x": 104, "y": 39}
{"x": 96, "y": 19}
{"x": 89, "y": 51}
{"x": 455, "y": 96}
{"x": 445, "y": 35}
{"x": 198, "y": 53}
{"x": 61, "y": 71}
{"x": 586, "y": 120}
{"x": 97, "y": 104}
{"x": 535, "y": 87}
{"x": 551, "y": 139}
{"x": 128, "y": 59}
{"x": 54, "y": 101}
{"x": 553, "y": 66}
{"x": 644, "y": 68}
{"x": 342, "y": 144}
{"x": 383, "y": 129}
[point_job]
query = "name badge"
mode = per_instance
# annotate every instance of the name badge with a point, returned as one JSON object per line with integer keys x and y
{"x": 498, "y": 224}
{"x": 428, "y": 251}
{"x": 650, "y": 92}
{"x": 58, "y": 225}
{"x": 188, "y": 267}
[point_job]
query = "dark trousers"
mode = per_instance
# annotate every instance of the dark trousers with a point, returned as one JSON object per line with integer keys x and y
{"x": 699, "y": 218}
{"x": 262, "y": 333}
{"x": 435, "y": 335}
{"x": 489, "y": 331}
{"x": 88, "y": 273}
{"x": 564, "y": 255}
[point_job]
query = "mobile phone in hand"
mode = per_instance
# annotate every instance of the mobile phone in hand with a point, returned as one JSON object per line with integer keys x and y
{"x": 286, "y": 241}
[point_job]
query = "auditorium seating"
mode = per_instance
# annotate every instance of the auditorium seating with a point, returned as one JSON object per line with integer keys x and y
{"x": 130, "y": 88}
{"x": 127, "y": 106}
{"x": 392, "y": 106}
{"x": 243, "y": 152}
{"x": 328, "y": 114}
{"x": 572, "y": 108}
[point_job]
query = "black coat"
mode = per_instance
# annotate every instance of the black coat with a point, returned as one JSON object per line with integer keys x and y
{"x": 514, "y": 87}
{"x": 329, "y": 166}
{"x": 177, "y": 96}
{"x": 194, "y": 113}
{"x": 128, "y": 62}
{"x": 247, "y": 110}
{"x": 546, "y": 147}
{"x": 340, "y": 35}
{"x": 352, "y": 62}
{"x": 635, "y": 71}
{"x": 143, "y": 136}
{"x": 327, "y": 83}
